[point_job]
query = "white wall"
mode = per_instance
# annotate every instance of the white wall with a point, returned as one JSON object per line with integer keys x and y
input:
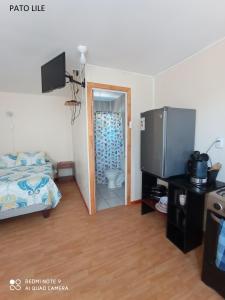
{"x": 40, "y": 123}
{"x": 142, "y": 99}
{"x": 199, "y": 82}
{"x": 80, "y": 150}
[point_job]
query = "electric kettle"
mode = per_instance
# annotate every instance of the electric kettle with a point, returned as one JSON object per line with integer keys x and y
{"x": 198, "y": 168}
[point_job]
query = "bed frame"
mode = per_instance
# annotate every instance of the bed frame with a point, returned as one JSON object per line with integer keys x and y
{"x": 8, "y": 214}
{"x": 46, "y": 213}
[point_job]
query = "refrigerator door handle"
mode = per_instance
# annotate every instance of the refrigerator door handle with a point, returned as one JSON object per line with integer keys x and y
{"x": 164, "y": 120}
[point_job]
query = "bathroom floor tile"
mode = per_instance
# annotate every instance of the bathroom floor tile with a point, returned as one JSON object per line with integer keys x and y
{"x": 106, "y": 198}
{"x": 116, "y": 202}
{"x": 101, "y": 204}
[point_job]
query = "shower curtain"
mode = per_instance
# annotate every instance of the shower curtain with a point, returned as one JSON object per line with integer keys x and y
{"x": 109, "y": 143}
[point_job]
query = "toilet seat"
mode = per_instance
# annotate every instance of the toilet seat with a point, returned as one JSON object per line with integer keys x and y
{"x": 115, "y": 178}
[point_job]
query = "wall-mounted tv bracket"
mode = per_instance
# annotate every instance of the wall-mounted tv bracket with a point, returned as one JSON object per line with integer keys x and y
{"x": 82, "y": 84}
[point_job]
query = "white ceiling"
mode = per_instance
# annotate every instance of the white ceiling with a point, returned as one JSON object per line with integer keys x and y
{"x": 145, "y": 36}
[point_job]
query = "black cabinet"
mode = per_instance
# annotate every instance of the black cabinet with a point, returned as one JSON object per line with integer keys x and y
{"x": 184, "y": 222}
{"x": 147, "y": 203}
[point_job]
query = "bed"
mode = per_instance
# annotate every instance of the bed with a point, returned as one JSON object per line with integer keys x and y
{"x": 27, "y": 188}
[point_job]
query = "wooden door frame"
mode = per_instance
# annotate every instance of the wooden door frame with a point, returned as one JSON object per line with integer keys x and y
{"x": 91, "y": 144}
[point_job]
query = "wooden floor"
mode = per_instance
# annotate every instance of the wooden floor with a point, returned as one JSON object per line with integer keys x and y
{"x": 116, "y": 254}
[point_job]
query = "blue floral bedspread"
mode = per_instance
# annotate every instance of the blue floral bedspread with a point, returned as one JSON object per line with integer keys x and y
{"x": 28, "y": 185}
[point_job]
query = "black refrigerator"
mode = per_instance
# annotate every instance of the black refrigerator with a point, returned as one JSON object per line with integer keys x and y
{"x": 167, "y": 140}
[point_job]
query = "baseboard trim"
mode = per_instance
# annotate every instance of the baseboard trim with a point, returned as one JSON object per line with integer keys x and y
{"x": 133, "y": 202}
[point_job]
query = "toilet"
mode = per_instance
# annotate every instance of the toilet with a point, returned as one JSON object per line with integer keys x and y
{"x": 115, "y": 177}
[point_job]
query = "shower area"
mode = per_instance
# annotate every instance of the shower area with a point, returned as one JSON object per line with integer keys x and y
{"x": 109, "y": 137}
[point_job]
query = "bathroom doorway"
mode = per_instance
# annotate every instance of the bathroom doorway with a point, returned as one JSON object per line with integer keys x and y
{"x": 109, "y": 145}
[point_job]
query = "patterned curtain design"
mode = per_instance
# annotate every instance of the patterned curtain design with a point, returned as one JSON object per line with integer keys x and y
{"x": 109, "y": 144}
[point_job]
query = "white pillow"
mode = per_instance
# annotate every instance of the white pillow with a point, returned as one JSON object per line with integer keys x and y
{"x": 30, "y": 158}
{"x": 8, "y": 160}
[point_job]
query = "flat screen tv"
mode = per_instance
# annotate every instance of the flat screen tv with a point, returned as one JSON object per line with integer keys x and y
{"x": 53, "y": 73}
